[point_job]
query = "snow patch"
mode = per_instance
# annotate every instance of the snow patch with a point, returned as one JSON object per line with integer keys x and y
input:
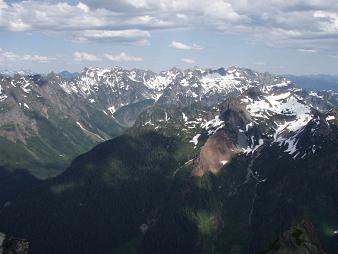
{"x": 25, "y": 85}
{"x": 111, "y": 110}
{"x": 88, "y": 132}
{"x": 223, "y": 162}
{"x": 185, "y": 118}
{"x": 3, "y": 96}
{"x": 314, "y": 94}
{"x": 161, "y": 81}
{"x": 330, "y": 118}
{"x": 213, "y": 125}
{"x": 195, "y": 139}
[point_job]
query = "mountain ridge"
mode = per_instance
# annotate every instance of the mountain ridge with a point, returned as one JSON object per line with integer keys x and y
{"x": 88, "y": 103}
{"x": 193, "y": 177}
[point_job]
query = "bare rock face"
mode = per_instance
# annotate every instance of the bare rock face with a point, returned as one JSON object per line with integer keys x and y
{"x": 217, "y": 151}
{"x": 299, "y": 239}
{"x": 13, "y": 245}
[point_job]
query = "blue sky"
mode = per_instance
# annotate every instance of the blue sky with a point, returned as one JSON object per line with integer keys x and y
{"x": 296, "y": 37}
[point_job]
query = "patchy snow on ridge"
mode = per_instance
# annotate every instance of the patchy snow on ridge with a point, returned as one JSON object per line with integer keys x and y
{"x": 68, "y": 87}
{"x": 253, "y": 147}
{"x": 314, "y": 94}
{"x": 213, "y": 125}
{"x": 278, "y": 83}
{"x": 161, "y": 81}
{"x": 288, "y": 113}
{"x": 89, "y": 132}
{"x": 185, "y": 118}
{"x": 91, "y": 79}
{"x": 25, "y": 85}
{"x": 3, "y": 96}
{"x": 111, "y": 110}
{"x": 215, "y": 81}
{"x": 330, "y": 118}
{"x": 281, "y": 104}
{"x": 194, "y": 140}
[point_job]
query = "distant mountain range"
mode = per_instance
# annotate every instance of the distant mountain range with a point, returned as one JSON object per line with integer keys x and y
{"x": 203, "y": 161}
{"x": 50, "y": 119}
{"x": 315, "y": 82}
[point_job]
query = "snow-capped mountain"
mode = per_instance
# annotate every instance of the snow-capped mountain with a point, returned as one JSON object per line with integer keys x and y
{"x": 214, "y": 159}
{"x": 256, "y": 113}
{"x": 111, "y": 89}
{"x": 9, "y": 73}
{"x": 46, "y": 127}
{"x": 92, "y": 101}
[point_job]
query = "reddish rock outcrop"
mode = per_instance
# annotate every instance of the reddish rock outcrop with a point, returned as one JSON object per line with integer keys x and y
{"x": 216, "y": 152}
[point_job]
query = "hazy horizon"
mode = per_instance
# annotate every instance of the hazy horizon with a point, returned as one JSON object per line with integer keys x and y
{"x": 161, "y": 70}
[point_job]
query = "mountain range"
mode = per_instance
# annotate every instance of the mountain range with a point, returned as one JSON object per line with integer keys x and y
{"x": 190, "y": 161}
{"x": 315, "y": 82}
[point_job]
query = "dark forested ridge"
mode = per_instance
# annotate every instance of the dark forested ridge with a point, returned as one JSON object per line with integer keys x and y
{"x": 13, "y": 183}
{"x": 134, "y": 194}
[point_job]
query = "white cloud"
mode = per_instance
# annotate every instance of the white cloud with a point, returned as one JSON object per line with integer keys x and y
{"x": 130, "y": 35}
{"x": 7, "y": 57}
{"x": 84, "y": 57}
{"x": 328, "y": 21}
{"x": 123, "y": 57}
{"x": 77, "y": 22}
{"x": 307, "y": 50}
{"x": 188, "y": 61}
{"x": 292, "y": 24}
{"x": 183, "y": 46}
{"x": 260, "y": 63}
{"x": 215, "y": 9}
{"x": 37, "y": 58}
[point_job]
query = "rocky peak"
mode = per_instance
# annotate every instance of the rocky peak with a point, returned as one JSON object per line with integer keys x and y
{"x": 10, "y": 245}
{"x": 299, "y": 239}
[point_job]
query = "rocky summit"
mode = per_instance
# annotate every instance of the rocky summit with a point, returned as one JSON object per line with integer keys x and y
{"x": 9, "y": 245}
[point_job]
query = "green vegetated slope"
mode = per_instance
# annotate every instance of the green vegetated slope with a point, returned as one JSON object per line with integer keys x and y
{"x": 43, "y": 128}
{"x": 58, "y": 141}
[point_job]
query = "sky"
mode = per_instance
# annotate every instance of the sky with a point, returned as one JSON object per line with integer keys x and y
{"x": 278, "y": 36}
